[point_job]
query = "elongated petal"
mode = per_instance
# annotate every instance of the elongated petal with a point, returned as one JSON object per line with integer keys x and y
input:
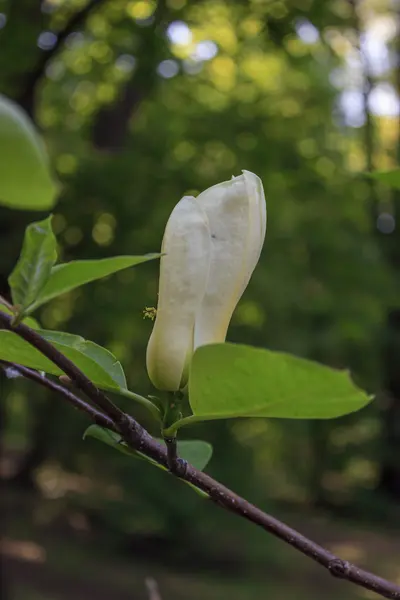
{"x": 257, "y": 223}
{"x": 236, "y": 212}
{"x": 184, "y": 272}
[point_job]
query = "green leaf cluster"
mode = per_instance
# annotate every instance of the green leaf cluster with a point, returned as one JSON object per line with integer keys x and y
{"x": 37, "y": 280}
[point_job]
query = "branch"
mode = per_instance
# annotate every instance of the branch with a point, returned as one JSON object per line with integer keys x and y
{"x": 27, "y": 97}
{"x": 139, "y": 439}
{"x": 98, "y": 417}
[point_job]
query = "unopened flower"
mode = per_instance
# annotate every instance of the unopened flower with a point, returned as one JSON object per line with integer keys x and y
{"x": 210, "y": 248}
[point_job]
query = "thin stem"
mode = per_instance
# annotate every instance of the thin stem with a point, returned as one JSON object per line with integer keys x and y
{"x": 138, "y": 438}
{"x": 190, "y": 420}
{"x": 5, "y": 303}
{"x": 96, "y": 416}
{"x": 152, "y": 589}
{"x": 172, "y": 413}
{"x": 172, "y": 452}
{"x": 145, "y": 402}
{"x": 121, "y": 420}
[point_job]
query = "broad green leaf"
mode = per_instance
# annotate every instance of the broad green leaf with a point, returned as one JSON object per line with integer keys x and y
{"x": 229, "y": 380}
{"x": 15, "y": 349}
{"x": 69, "y": 276}
{"x": 195, "y": 452}
{"x": 390, "y": 178}
{"x": 103, "y": 357}
{"x": 38, "y": 255}
{"x": 25, "y": 178}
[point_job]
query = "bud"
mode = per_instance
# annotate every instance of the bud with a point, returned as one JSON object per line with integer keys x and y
{"x": 210, "y": 248}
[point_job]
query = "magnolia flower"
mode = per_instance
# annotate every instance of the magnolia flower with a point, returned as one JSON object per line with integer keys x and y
{"x": 210, "y": 248}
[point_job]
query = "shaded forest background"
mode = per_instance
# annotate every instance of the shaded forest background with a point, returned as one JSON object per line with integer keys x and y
{"x": 141, "y": 102}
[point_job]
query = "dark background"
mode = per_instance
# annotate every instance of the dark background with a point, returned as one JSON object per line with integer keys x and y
{"x": 140, "y": 103}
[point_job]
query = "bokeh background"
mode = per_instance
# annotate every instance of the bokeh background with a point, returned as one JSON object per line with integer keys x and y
{"x": 141, "y": 102}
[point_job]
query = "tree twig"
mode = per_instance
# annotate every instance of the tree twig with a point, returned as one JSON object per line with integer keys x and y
{"x": 139, "y": 439}
{"x": 176, "y": 464}
{"x": 152, "y": 589}
{"x": 98, "y": 417}
{"x": 5, "y": 303}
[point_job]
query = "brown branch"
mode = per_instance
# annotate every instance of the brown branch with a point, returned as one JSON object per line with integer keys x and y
{"x": 98, "y": 417}
{"x": 27, "y": 98}
{"x": 139, "y": 439}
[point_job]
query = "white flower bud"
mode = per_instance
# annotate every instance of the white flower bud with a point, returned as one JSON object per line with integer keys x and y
{"x": 211, "y": 246}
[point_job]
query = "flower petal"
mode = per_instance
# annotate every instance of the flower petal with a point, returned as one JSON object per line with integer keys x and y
{"x": 257, "y": 223}
{"x": 184, "y": 269}
{"x": 236, "y": 212}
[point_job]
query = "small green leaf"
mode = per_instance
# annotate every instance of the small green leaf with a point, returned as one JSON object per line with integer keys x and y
{"x": 390, "y": 178}
{"x": 195, "y": 452}
{"x": 38, "y": 255}
{"x": 229, "y": 380}
{"x": 103, "y": 357}
{"x": 25, "y": 179}
{"x": 15, "y": 349}
{"x": 69, "y": 276}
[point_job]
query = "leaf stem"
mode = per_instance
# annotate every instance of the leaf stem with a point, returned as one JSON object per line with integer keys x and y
{"x": 190, "y": 420}
{"x": 145, "y": 402}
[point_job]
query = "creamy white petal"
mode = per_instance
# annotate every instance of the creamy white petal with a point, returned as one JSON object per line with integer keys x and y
{"x": 257, "y": 223}
{"x": 184, "y": 273}
{"x": 236, "y": 213}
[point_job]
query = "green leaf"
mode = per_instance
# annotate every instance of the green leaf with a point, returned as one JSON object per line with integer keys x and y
{"x": 195, "y": 452}
{"x": 38, "y": 255}
{"x": 25, "y": 179}
{"x": 229, "y": 380}
{"x": 103, "y": 357}
{"x": 391, "y": 178}
{"x": 69, "y": 276}
{"x": 15, "y": 349}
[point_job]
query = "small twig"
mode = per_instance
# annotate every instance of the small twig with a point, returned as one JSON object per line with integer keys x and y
{"x": 98, "y": 417}
{"x": 152, "y": 589}
{"x": 218, "y": 493}
{"x": 5, "y": 303}
{"x": 175, "y": 464}
{"x": 172, "y": 452}
{"x": 75, "y": 374}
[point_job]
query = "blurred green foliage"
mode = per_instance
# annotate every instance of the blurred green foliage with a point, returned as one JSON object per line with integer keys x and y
{"x": 133, "y": 121}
